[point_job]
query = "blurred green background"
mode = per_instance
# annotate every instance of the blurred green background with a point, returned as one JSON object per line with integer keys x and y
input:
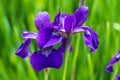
{"x": 19, "y": 15}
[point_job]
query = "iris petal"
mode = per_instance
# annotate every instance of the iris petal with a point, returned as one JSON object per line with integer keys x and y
{"x": 54, "y": 39}
{"x": 115, "y": 59}
{"x": 41, "y": 19}
{"x": 29, "y": 35}
{"x": 23, "y": 50}
{"x": 46, "y": 37}
{"x": 81, "y": 15}
{"x": 69, "y": 23}
{"x": 59, "y": 21}
{"x": 91, "y": 40}
{"x": 39, "y": 60}
{"x": 43, "y": 37}
{"x": 117, "y": 77}
{"x": 90, "y": 37}
{"x": 81, "y": 29}
{"x": 55, "y": 59}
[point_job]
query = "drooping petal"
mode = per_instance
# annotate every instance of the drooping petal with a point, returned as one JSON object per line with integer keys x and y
{"x": 38, "y": 61}
{"x": 45, "y": 59}
{"x": 54, "y": 39}
{"x": 117, "y": 77}
{"x": 46, "y": 37}
{"x": 29, "y": 35}
{"x": 43, "y": 37}
{"x": 54, "y": 59}
{"x": 95, "y": 41}
{"x": 23, "y": 50}
{"x": 69, "y": 23}
{"x": 81, "y": 15}
{"x": 41, "y": 19}
{"x": 91, "y": 40}
{"x": 90, "y": 37}
{"x": 62, "y": 48}
{"x": 115, "y": 59}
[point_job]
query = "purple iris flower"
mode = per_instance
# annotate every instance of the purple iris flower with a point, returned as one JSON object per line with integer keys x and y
{"x": 46, "y": 38}
{"x": 71, "y": 24}
{"x": 117, "y": 77}
{"x": 50, "y": 34}
{"x": 115, "y": 59}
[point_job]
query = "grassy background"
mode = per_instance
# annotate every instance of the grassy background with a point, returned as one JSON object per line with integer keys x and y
{"x": 18, "y": 15}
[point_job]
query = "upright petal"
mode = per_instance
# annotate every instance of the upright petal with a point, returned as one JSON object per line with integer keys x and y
{"x": 57, "y": 19}
{"x": 41, "y": 19}
{"x": 115, "y": 59}
{"x": 38, "y": 61}
{"x": 81, "y": 15}
{"x": 59, "y": 22}
{"x": 69, "y": 23}
{"x": 23, "y": 50}
{"x": 91, "y": 40}
{"x": 43, "y": 37}
{"x": 62, "y": 19}
{"x": 29, "y": 35}
{"x": 55, "y": 59}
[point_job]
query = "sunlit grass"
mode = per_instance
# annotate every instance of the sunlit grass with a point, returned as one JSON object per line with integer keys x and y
{"x": 18, "y": 15}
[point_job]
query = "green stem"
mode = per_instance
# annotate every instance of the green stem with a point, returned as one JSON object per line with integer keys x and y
{"x": 65, "y": 66}
{"x": 75, "y": 58}
{"x": 66, "y": 55}
{"x": 82, "y": 2}
{"x": 46, "y": 73}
